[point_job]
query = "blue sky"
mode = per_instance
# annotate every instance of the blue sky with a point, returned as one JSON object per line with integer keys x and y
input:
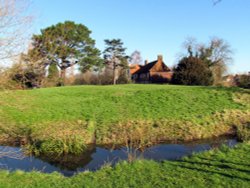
{"x": 156, "y": 26}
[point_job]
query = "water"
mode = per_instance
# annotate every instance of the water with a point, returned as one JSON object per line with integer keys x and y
{"x": 97, "y": 157}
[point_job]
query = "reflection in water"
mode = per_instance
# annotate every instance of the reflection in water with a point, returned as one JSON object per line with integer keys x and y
{"x": 69, "y": 162}
{"x": 96, "y": 157}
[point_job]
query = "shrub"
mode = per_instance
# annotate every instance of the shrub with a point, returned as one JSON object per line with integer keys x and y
{"x": 243, "y": 81}
{"x": 243, "y": 132}
{"x": 53, "y": 78}
{"x": 192, "y": 71}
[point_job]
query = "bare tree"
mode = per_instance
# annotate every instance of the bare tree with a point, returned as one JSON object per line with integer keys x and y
{"x": 215, "y": 2}
{"x": 14, "y": 31}
{"x": 135, "y": 58}
{"x": 217, "y": 54}
{"x": 14, "y": 26}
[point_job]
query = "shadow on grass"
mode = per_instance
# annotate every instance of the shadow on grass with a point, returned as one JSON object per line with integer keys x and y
{"x": 226, "y": 161}
{"x": 211, "y": 171}
{"x": 223, "y": 166}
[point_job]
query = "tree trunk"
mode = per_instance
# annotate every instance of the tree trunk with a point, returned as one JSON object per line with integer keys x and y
{"x": 63, "y": 75}
{"x": 114, "y": 76}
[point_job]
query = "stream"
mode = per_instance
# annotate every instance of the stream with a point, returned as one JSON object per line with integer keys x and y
{"x": 95, "y": 158}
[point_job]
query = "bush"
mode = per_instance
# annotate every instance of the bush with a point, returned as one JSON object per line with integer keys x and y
{"x": 243, "y": 81}
{"x": 103, "y": 78}
{"x": 27, "y": 79}
{"x": 123, "y": 77}
{"x": 87, "y": 78}
{"x": 192, "y": 71}
{"x": 53, "y": 78}
{"x": 6, "y": 81}
{"x": 243, "y": 132}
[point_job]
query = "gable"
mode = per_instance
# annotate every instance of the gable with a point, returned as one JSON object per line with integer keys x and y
{"x": 146, "y": 68}
{"x": 134, "y": 68}
{"x": 159, "y": 67}
{"x": 155, "y": 66}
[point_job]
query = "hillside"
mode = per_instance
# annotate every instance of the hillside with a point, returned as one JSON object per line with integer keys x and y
{"x": 66, "y": 119}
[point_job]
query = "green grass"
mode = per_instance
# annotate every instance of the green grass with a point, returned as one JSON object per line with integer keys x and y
{"x": 216, "y": 168}
{"x": 114, "y": 103}
{"x": 56, "y": 119}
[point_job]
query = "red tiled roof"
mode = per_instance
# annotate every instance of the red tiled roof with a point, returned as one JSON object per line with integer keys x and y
{"x": 150, "y": 67}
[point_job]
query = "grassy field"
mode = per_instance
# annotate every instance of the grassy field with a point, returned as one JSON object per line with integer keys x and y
{"x": 67, "y": 119}
{"x": 216, "y": 168}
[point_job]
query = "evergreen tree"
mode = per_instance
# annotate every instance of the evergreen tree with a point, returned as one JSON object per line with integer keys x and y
{"x": 53, "y": 72}
{"x": 192, "y": 71}
{"x": 115, "y": 57}
{"x": 65, "y": 44}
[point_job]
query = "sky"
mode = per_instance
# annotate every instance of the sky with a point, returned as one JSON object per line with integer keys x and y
{"x": 156, "y": 26}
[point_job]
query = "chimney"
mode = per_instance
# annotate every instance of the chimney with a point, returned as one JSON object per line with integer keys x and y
{"x": 146, "y": 62}
{"x": 160, "y": 58}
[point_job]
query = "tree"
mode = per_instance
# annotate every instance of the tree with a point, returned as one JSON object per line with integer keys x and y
{"x": 217, "y": 54}
{"x": 14, "y": 23}
{"x": 115, "y": 57}
{"x": 215, "y": 2}
{"x": 243, "y": 80}
{"x": 135, "y": 58}
{"x": 53, "y": 71}
{"x": 123, "y": 72}
{"x": 192, "y": 71}
{"x": 53, "y": 76}
{"x": 65, "y": 44}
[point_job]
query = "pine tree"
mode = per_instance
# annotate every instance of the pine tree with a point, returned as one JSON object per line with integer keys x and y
{"x": 115, "y": 57}
{"x": 65, "y": 44}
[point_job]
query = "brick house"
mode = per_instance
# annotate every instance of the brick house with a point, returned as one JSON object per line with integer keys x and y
{"x": 153, "y": 72}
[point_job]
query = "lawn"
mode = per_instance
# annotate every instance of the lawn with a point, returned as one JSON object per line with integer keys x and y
{"x": 216, "y": 168}
{"x": 67, "y": 119}
{"x": 114, "y": 103}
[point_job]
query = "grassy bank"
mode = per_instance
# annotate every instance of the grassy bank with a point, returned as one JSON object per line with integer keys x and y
{"x": 67, "y": 119}
{"x": 216, "y": 168}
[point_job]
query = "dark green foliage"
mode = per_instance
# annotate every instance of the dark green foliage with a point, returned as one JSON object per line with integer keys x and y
{"x": 114, "y": 49}
{"x": 53, "y": 78}
{"x": 216, "y": 54}
{"x": 192, "y": 71}
{"x": 123, "y": 77}
{"x": 115, "y": 57}
{"x": 53, "y": 72}
{"x": 243, "y": 81}
{"x": 65, "y": 44}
